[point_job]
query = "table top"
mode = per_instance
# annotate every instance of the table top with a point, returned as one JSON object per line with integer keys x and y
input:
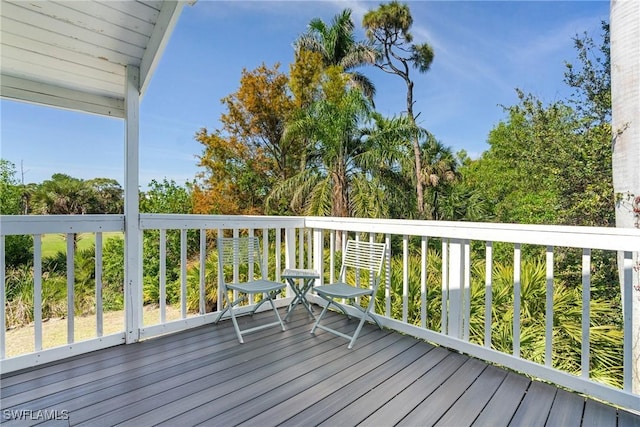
{"x": 299, "y": 273}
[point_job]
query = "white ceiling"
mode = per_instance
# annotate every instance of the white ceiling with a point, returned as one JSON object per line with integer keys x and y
{"x": 72, "y": 54}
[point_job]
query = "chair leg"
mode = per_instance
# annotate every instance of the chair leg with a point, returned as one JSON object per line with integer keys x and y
{"x": 324, "y": 310}
{"x": 215, "y": 322}
{"x": 273, "y": 305}
{"x": 363, "y": 317}
{"x": 229, "y": 307}
{"x": 262, "y": 301}
{"x": 357, "y": 332}
{"x": 235, "y": 325}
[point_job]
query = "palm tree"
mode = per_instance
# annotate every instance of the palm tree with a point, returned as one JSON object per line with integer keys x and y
{"x": 389, "y": 159}
{"x": 338, "y": 47}
{"x": 63, "y": 195}
{"x": 439, "y": 171}
{"x": 625, "y": 95}
{"x": 387, "y": 29}
{"x": 332, "y": 183}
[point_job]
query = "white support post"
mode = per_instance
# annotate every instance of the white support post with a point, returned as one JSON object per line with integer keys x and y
{"x": 203, "y": 267}
{"x": 183, "y": 273}
{"x": 424, "y": 254}
{"x": 318, "y": 254}
{"x": 290, "y": 248}
{"x": 517, "y": 264}
{"x": 278, "y": 253}
{"x": 289, "y": 252}
{"x": 133, "y": 233}
{"x": 251, "y": 233}
{"x": 586, "y": 310}
{"x": 405, "y": 278}
{"x": 3, "y": 290}
{"x": 488, "y": 292}
{"x": 456, "y": 287}
{"x": 387, "y": 276}
{"x": 466, "y": 295}
{"x": 444, "y": 316}
{"x": 301, "y": 248}
{"x": 37, "y": 291}
{"x": 332, "y": 256}
{"x": 70, "y": 287}
{"x": 548, "y": 350}
{"x": 98, "y": 278}
{"x": 163, "y": 275}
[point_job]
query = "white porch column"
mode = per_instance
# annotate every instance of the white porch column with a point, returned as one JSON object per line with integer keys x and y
{"x": 290, "y": 252}
{"x": 455, "y": 288}
{"x": 318, "y": 254}
{"x": 133, "y": 234}
{"x": 625, "y": 123}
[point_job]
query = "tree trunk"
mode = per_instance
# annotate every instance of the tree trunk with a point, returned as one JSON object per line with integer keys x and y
{"x": 340, "y": 198}
{"x": 416, "y": 150}
{"x": 625, "y": 123}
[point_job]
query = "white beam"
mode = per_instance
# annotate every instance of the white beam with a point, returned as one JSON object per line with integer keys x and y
{"x": 20, "y": 89}
{"x": 167, "y": 20}
{"x": 133, "y": 233}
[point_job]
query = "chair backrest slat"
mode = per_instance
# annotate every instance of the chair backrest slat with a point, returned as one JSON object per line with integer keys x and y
{"x": 234, "y": 250}
{"x": 363, "y": 255}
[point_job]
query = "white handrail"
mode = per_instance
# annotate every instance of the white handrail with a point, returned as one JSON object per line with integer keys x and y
{"x": 318, "y": 236}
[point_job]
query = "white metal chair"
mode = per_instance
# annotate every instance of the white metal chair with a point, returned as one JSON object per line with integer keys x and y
{"x": 236, "y": 252}
{"x": 359, "y": 260}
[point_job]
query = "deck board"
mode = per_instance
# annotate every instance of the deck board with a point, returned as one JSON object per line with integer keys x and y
{"x": 503, "y": 404}
{"x": 597, "y": 414}
{"x": 321, "y": 402}
{"x": 536, "y": 405}
{"x": 566, "y": 410}
{"x": 465, "y": 410}
{"x": 430, "y": 410}
{"x": 204, "y": 376}
{"x": 415, "y": 392}
{"x": 354, "y": 402}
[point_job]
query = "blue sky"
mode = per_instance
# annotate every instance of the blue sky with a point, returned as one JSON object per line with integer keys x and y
{"x": 483, "y": 51}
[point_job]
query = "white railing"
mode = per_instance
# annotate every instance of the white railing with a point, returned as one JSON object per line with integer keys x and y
{"x": 455, "y": 241}
{"x": 313, "y": 242}
{"x": 276, "y": 253}
{"x": 69, "y": 226}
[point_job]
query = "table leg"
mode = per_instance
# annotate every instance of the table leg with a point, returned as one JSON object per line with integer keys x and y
{"x": 299, "y": 297}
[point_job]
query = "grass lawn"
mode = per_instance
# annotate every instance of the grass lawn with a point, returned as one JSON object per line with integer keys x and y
{"x": 54, "y": 243}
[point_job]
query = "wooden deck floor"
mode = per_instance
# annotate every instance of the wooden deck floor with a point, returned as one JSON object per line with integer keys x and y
{"x": 204, "y": 376}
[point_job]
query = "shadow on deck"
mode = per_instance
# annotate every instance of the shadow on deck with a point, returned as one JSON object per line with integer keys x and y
{"x": 204, "y": 375}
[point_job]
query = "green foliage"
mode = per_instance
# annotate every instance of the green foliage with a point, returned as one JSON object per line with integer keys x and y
{"x": 605, "y": 330}
{"x": 10, "y": 189}
{"x": 210, "y": 285}
{"x": 113, "y": 274}
{"x": 541, "y": 165}
{"x": 166, "y": 197}
{"x": 108, "y": 196}
{"x": 332, "y": 127}
{"x": 63, "y": 195}
{"x": 591, "y": 78}
{"x": 414, "y": 296}
{"x": 337, "y": 47}
{"x": 305, "y": 75}
{"x": 388, "y": 30}
{"x": 248, "y": 155}
{"x": 18, "y": 249}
